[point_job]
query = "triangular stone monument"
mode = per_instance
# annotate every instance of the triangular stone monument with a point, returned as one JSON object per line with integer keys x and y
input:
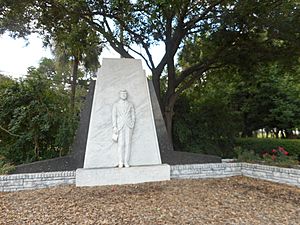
{"x": 122, "y": 145}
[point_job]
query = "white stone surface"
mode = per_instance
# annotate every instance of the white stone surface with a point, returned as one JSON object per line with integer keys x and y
{"x": 123, "y": 119}
{"x": 113, "y": 76}
{"x": 131, "y": 175}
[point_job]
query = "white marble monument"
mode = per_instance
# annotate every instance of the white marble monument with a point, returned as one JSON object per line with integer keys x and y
{"x": 122, "y": 131}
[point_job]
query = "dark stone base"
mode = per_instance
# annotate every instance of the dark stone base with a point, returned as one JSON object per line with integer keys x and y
{"x": 50, "y": 165}
{"x": 180, "y": 158}
{"x": 68, "y": 163}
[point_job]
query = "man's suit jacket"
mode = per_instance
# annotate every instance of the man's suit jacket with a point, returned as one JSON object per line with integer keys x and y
{"x": 123, "y": 114}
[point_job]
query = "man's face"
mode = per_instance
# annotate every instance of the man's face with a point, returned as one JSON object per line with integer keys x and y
{"x": 123, "y": 95}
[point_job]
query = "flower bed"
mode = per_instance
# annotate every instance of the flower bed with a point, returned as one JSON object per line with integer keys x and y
{"x": 275, "y": 157}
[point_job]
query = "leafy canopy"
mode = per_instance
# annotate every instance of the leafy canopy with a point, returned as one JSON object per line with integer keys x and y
{"x": 35, "y": 118}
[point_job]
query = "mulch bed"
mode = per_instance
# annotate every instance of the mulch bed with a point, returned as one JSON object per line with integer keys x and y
{"x": 236, "y": 200}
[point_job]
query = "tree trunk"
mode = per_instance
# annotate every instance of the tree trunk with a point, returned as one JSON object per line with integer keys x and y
{"x": 156, "y": 85}
{"x": 73, "y": 82}
{"x": 247, "y": 130}
{"x": 288, "y": 133}
{"x": 282, "y": 134}
{"x": 276, "y": 134}
{"x": 166, "y": 106}
{"x": 36, "y": 148}
{"x": 168, "y": 114}
{"x": 168, "y": 117}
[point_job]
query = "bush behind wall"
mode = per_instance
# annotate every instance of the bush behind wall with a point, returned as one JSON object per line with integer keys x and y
{"x": 261, "y": 145}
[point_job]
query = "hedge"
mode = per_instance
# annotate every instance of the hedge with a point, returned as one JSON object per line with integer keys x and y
{"x": 261, "y": 145}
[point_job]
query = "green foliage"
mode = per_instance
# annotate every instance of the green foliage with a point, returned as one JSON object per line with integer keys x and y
{"x": 206, "y": 34}
{"x": 35, "y": 118}
{"x": 203, "y": 122}
{"x": 16, "y": 17}
{"x": 5, "y": 81}
{"x": 228, "y": 102}
{"x": 268, "y": 97}
{"x": 246, "y": 155}
{"x": 5, "y": 167}
{"x": 280, "y": 157}
{"x": 275, "y": 157}
{"x": 263, "y": 145}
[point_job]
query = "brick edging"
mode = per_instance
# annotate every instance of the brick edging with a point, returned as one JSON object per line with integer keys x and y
{"x": 216, "y": 170}
{"x": 31, "y": 181}
{"x": 272, "y": 173}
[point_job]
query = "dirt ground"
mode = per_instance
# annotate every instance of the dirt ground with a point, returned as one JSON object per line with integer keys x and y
{"x": 236, "y": 200}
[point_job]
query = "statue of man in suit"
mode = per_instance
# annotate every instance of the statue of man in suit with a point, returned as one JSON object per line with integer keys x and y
{"x": 123, "y": 119}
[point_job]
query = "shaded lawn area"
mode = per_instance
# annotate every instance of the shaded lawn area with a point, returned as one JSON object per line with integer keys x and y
{"x": 235, "y": 200}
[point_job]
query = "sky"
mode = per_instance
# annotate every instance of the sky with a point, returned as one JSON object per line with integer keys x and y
{"x": 16, "y": 55}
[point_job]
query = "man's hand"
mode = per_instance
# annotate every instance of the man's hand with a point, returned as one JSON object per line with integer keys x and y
{"x": 115, "y": 130}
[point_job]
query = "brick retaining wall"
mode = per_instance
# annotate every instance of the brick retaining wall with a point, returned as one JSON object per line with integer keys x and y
{"x": 272, "y": 173}
{"x": 29, "y": 181}
{"x": 19, "y": 182}
{"x": 210, "y": 170}
{"x": 216, "y": 170}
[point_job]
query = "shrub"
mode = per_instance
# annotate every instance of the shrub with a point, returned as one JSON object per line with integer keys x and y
{"x": 36, "y": 120}
{"x": 5, "y": 167}
{"x": 246, "y": 155}
{"x": 265, "y": 145}
{"x": 207, "y": 127}
{"x": 277, "y": 157}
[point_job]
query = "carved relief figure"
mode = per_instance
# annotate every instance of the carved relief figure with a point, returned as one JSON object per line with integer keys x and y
{"x": 123, "y": 119}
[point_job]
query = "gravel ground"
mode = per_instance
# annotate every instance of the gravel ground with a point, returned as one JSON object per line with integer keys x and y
{"x": 236, "y": 200}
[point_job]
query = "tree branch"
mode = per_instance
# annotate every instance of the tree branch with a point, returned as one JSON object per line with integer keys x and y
{"x": 7, "y": 131}
{"x": 196, "y": 75}
{"x": 140, "y": 39}
{"x": 115, "y": 44}
{"x": 191, "y": 23}
{"x": 195, "y": 68}
{"x": 140, "y": 54}
{"x": 203, "y": 64}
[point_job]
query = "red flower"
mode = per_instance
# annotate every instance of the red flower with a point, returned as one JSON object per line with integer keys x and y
{"x": 282, "y": 150}
{"x": 273, "y": 157}
{"x": 274, "y": 151}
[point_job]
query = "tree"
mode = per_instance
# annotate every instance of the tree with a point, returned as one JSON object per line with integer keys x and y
{"x": 268, "y": 98}
{"x": 79, "y": 45}
{"x": 17, "y": 17}
{"x": 224, "y": 28}
{"x": 5, "y": 81}
{"x": 35, "y": 117}
{"x": 214, "y": 33}
{"x": 230, "y": 102}
{"x": 204, "y": 117}
{"x": 71, "y": 37}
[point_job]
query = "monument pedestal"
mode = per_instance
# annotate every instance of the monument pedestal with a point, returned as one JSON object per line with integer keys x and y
{"x": 131, "y": 175}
